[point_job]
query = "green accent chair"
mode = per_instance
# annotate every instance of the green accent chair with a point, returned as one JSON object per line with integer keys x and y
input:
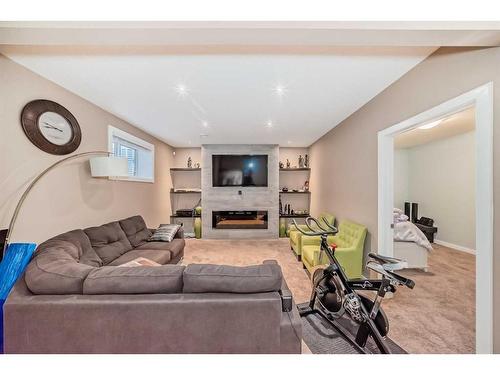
{"x": 295, "y": 235}
{"x": 350, "y": 242}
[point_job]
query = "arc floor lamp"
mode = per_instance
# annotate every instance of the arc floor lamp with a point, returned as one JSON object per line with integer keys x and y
{"x": 15, "y": 260}
{"x": 103, "y": 164}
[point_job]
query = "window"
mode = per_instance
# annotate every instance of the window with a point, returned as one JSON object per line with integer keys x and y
{"x": 139, "y": 154}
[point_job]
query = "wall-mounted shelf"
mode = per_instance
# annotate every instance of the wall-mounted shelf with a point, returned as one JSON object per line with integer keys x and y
{"x": 295, "y": 215}
{"x": 184, "y": 217}
{"x": 294, "y": 169}
{"x": 295, "y": 192}
{"x": 185, "y": 169}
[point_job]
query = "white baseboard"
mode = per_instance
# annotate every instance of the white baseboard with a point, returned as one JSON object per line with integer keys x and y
{"x": 456, "y": 247}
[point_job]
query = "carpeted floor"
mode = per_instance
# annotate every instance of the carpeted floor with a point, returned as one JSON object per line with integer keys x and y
{"x": 438, "y": 316}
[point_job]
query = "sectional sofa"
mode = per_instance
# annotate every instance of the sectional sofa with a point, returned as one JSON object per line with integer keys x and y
{"x": 74, "y": 298}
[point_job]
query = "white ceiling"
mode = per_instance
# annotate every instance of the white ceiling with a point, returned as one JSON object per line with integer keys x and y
{"x": 233, "y": 93}
{"x": 231, "y": 70}
{"x": 455, "y": 124}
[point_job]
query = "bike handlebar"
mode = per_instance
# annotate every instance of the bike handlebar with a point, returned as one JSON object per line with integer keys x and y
{"x": 313, "y": 232}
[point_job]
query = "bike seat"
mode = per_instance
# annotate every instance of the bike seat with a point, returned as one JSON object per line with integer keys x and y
{"x": 384, "y": 259}
{"x": 388, "y": 263}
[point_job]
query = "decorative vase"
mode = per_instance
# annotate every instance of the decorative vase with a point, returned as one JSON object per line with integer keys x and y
{"x": 306, "y": 161}
{"x": 282, "y": 227}
{"x": 190, "y": 162}
{"x": 197, "y": 227}
{"x": 287, "y": 163}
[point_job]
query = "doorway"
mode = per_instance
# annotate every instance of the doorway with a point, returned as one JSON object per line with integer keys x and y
{"x": 481, "y": 100}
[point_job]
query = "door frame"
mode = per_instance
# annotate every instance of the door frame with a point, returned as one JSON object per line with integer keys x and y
{"x": 481, "y": 98}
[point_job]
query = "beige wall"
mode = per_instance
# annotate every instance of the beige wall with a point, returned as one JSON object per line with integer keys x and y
{"x": 345, "y": 159}
{"x": 401, "y": 177}
{"x": 68, "y": 197}
{"x": 440, "y": 177}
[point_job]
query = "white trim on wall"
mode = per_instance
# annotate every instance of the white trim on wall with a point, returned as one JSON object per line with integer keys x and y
{"x": 456, "y": 247}
{"x": 482, "y": 99}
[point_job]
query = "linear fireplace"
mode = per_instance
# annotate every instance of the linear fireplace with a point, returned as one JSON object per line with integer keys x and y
{"x": 239, "y": 219}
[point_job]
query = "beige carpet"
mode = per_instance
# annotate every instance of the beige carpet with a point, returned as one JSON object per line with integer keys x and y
{"x": 438, "y": 315}
{"x": 435, "y": 317}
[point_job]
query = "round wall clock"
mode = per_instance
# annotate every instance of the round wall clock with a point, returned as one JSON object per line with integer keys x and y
{"x": 51, "y": 127}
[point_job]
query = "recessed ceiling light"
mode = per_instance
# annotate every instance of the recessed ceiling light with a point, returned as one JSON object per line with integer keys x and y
{"x": 280, "y": 90}
{"x": 269, "y": 123}
{"x": 203, "y": 135}
{"x": 289, "y": 142}
{"x": 181, "y": 89}
{"x": 205, "y": 124}
{"x": 430, "y": 125}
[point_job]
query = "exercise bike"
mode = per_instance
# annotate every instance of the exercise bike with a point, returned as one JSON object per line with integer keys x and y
{"x": 335, "y": 297}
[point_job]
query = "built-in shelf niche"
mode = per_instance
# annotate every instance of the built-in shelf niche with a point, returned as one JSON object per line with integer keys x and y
{"x": 294, "y": 178}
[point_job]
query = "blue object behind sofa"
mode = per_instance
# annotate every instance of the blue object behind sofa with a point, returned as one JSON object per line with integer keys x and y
{"x": 12, "y": 266}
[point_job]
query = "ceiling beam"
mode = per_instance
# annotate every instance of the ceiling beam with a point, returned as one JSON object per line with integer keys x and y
{"x": 310, "y": 34}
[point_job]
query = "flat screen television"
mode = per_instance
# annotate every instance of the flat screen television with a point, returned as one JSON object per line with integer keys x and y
{"x": 239, "y": 170}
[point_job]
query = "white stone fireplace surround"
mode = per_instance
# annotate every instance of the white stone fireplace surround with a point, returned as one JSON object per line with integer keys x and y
{"x": 251, "y": 198}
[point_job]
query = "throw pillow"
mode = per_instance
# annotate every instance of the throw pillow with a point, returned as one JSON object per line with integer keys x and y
{"x": 165, "y": 233}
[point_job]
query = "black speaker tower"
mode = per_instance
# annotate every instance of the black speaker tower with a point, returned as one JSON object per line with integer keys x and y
{"x": 414, "y": 212}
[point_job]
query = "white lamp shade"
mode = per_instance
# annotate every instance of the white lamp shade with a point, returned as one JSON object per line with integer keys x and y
{"x": 108, "y": 166}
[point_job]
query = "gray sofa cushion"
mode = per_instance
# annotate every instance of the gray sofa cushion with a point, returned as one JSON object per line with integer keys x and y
{"x": 158, "y": 256}
{"x": 134, "y": 280}
{"x": 86, "y": 254}
{"x": 54, "y": 269}
{"x": 175, "y": 247}
{"x": 136, "y": 230}
{"x": 207, "y": 278}
{"x": 109, "y": 241}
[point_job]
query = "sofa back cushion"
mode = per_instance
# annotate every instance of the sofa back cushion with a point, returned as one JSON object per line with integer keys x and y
{"x": 86, "y": 254}
{"x": 109, "y": 241}
{"x": 136, "y": 230}
{"x": 134, "y": 280}
{"x": 350, "y": 235}
{"x": 210, "y": 278}
{"x": 55, "y": 269}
